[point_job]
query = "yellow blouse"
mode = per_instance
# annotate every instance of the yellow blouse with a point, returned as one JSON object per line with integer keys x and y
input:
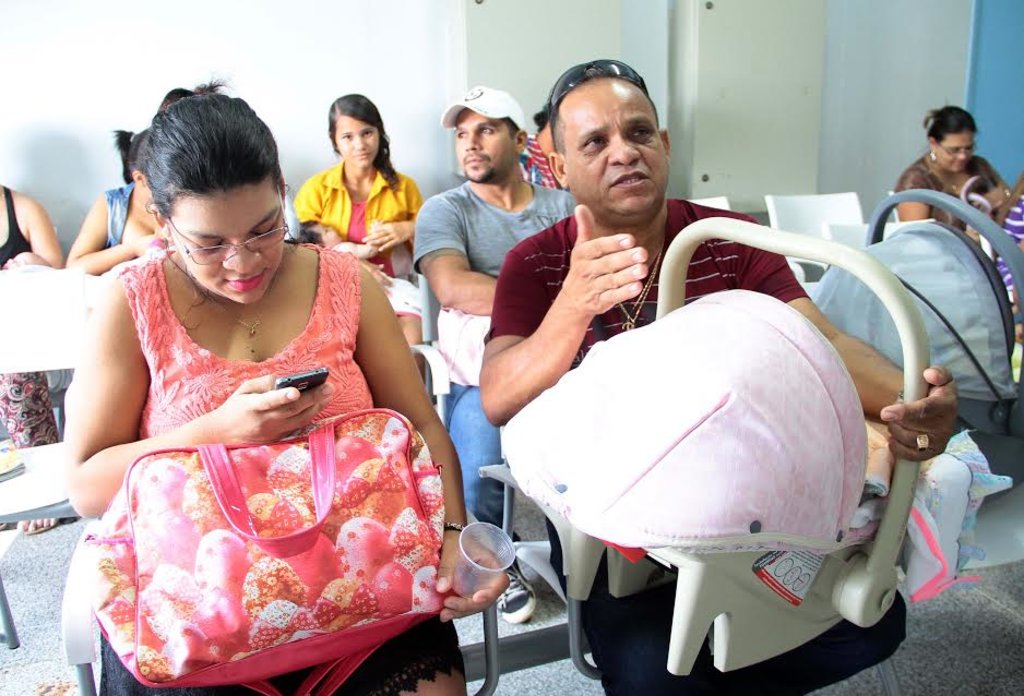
{"x": 324, "y": 199}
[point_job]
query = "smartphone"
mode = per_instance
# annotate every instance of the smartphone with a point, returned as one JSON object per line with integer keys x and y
{"x": 303, "y": 380}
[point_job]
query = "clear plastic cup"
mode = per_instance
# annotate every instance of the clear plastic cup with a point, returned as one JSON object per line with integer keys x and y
{"x": 485, "y": 551}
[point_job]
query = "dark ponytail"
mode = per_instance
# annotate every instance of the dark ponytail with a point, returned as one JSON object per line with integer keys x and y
{"x": 123, "y": 141}
{"x": 130, "y": 146}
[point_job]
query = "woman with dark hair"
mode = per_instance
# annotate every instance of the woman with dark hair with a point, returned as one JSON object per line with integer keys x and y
{"x": 949, "y": 165}
{"x": 119, "y": 227}
{"x": 369, "y": 205}
{"x": 185, "y": 350}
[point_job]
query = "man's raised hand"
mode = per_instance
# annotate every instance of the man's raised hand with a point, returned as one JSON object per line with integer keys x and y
{"x": 603, "y": 271}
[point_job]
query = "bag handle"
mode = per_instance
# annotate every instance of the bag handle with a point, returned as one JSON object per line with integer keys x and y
{"x": 228, "y": 491}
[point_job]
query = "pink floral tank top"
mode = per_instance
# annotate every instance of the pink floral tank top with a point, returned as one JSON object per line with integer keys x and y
{"x": 187, "y": 380}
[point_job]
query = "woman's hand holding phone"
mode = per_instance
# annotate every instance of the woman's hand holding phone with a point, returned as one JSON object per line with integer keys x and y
{"x": 259, "y": 412}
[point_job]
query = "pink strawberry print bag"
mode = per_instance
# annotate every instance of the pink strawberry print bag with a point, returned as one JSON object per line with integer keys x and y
{"x": 232, "y": 564}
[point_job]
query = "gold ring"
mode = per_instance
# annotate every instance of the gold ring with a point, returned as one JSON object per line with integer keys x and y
{"x": 922, "y": 442}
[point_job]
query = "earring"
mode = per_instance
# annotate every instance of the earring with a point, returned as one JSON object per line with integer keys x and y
{"x": 932, "y": 155}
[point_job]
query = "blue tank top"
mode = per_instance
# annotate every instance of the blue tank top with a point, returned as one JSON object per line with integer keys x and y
{"x": 117, "y": 213}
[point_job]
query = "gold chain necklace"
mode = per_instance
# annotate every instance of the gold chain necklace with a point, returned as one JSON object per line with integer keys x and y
{"x": 200, "y": 291}
{"x": 638, "y": 305}
{"x": 252, "y": 327}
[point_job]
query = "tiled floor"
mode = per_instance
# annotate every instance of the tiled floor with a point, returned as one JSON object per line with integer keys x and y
{"x": 968, "y": 641}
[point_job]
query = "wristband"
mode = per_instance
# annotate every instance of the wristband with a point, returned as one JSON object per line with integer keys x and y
{"x": 453, "y": 527}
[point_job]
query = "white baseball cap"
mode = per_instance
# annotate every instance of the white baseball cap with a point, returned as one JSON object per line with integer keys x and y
{"x": 492, "y": 103}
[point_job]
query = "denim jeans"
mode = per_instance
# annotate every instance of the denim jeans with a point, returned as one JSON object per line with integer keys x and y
{"x": 478, "y": 444}
{"x": 629, "y": 639}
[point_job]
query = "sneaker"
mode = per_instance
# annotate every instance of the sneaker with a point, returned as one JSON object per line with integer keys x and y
{"x": 518, "y": 601}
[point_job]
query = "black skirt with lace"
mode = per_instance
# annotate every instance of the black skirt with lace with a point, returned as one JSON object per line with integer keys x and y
{"x": 420, "y": 654}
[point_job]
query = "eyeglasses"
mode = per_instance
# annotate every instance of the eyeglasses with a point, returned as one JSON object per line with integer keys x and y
{"x": 954, "y": 151}
{"x": 219, "y": 253}
{"x": 584, "y": 72}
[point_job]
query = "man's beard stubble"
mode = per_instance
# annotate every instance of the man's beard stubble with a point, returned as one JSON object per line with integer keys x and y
{"x": 486, "y": 177}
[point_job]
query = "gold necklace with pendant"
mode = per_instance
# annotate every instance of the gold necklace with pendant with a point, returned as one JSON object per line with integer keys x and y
{"x": 200, "y": 291}
{"x": 638, "y": 305}
{"x": 252, "y": 332}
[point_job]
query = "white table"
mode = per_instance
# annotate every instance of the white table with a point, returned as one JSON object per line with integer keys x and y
{"x": 39, "y": 493}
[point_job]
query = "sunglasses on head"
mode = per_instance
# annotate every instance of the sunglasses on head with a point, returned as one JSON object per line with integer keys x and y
{"x": 584, "y": 72}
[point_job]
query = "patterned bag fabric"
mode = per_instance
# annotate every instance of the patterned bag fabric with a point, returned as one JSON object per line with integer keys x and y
{"x": 229, "y": 565}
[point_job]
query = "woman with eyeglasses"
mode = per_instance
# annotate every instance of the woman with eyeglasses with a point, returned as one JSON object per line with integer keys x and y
{"x": 185, "y": 348}
{"x": 369, "y": 205}
{"x": 949, "y": 165}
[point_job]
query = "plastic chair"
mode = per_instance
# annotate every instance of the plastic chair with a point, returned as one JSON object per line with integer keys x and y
{"x": 45, "y": 311}
{"x": 720, "y": 202}
{"x": 438, "y": 383}
{"x": 853, "y": 235}
{"x": 719, "y": 590}
{"x": 805, "y": 214}
{"x": 807, "y": 274}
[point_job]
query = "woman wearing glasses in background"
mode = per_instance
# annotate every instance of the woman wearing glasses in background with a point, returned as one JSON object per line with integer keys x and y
{"x": 948, "y": 166}
{"x": 184, "y": 350}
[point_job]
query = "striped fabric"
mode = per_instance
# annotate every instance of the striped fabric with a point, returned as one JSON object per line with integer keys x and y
{"x": 535, "y": 269}
{"x": 1014, "y": 226}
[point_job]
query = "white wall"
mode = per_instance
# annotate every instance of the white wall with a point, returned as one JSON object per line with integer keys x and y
{"x": 746, "y": 79}
{"x": 887, "y": 62}
{"x": 526, "y": 63}
{"x": 73, "y": 73}
{"x": 520, "y": 45}
{"x": 646, "y": 28}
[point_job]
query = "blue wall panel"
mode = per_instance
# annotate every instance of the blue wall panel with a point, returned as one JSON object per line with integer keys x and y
{"x": 995, "y": 83}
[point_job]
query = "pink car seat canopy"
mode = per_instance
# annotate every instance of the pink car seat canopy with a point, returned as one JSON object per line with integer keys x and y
{"x": 730, "y": 424}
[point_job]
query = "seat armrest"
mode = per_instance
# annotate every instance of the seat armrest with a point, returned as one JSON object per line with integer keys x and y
{"x": 499, "y": 472}
{"x": 76, "y": 621}
{"x": 438, "y": 368}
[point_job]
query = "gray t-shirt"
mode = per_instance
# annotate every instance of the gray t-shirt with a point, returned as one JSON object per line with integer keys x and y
{"x": 459, "y": 219}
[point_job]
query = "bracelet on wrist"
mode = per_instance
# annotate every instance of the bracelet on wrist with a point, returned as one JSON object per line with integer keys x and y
{"x": 453, "y": 527}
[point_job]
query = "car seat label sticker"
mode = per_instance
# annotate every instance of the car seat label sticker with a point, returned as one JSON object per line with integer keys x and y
{"x": 789, "y": 574}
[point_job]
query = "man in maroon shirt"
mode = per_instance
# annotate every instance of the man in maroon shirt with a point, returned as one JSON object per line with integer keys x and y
{"x": 594, "y": 275}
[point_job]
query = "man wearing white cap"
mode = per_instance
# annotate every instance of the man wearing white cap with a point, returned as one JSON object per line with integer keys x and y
{"x": 462, "y": 236}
